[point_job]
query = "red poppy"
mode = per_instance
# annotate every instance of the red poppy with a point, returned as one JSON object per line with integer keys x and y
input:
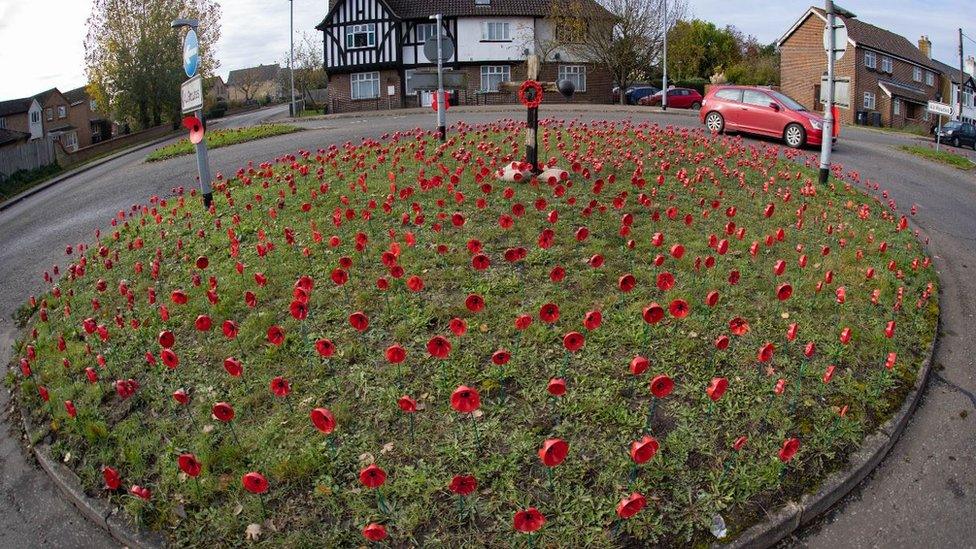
{"x": 298, "y": 309}
{"x": 809, "y": 349}
{"x": 372, "y": 476}
{"x": 631, "y": 505}
{"x": 739, "y": 443}
{"x": 475, "y": 303}
{"x": 178, "y": 297}
{"x": 661, "y": 386}
{"x": 112, "y": 479}
{"x": 840, "y": 294}
{"x": 189, "y": 464}
{"x": 439, "y": 347}
{"x": 359, "y": 321}
{"x": 170, "y": 359}
{"x": 92, "y": 375}
{"x": 717, "y": 388}
{"x": 323, "y": 420}
{"x": 529, "y": 520}
{"x": 639, "y": 365}
{"x": 890, "y": 360}
{"x": 829, "y": 373}
{"x": 463, "y": 485}
{"x": 181, "y": 397}
{"x": 553, "y": 452}
{"x": 573, "y": 341}
{"x": 202, "y": 262}
{"x": 592, "y": 320}
{"x": 230, "y": 328}
{"x": 665, "y": 281}
{"x": 765, "y": 353}
{"x": 501, "y": 357}
{"x": 792, "y": 331}
{"x": 395, "y": 354}
{"x": 644, "y": 449}
{"x": 679, "y": 308}
{"x": 784, "y": 291}
{"x": 789, "y": 449}
{"x": 203, "y": 323}
{"x": 889, "y": 330}
{"x": 845, "y": 336}
{"x": 464, "y": 399}
{"x": 480, "y": 262}
{"x": 458, "y": 326}
{"x": 339, "y": 276}
{"x": 556, "y": 387}
{"x": 711, "y": 299}
{"x": 522, "y": 322}
{"x": 779, "y": 268}
{"x": 722, "y": 342}
{"x": 738, "y": 326}
{"x": 276, "y": 335}
{"x": 780, "y": 387}
{"x": 140, "y": 492}
{"x": 407, "y": 404}
{"x": 166, "y": 339}
{"x": 374, "y": 532}
{"x": 626, "y": 283}
{"x": 233, "y": 366}
{"x": 677, "y": 251}
{"x": 557, "y": 274}
{"x": 325, "y": 348}
{"x": 653, "y": 313}
{"x": 280, "y": 387}
{"x": 223, "y": 411}
{"x": 255, "y": 482}
{"x": 549, "y": 313}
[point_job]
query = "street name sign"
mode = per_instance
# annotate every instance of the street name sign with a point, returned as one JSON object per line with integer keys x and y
{"x": 191, "y": 94}
{"x": 940, "y": 108}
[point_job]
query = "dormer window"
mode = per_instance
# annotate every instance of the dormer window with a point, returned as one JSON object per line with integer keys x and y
{"x": 361, "y": 36}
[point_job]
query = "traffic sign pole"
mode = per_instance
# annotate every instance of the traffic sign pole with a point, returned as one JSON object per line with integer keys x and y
{"x": 191, "y": 64}
{"x": 938, "y": 134}
{"x": 827, "y": 131}
{"x": 442, "y": 111}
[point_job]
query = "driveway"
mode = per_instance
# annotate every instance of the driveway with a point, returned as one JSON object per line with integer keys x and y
{"x": 923, "y": 494}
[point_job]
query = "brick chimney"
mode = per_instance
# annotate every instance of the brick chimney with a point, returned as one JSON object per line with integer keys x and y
{"x": 925, "y": 46}
{"x": 970, "y": 65}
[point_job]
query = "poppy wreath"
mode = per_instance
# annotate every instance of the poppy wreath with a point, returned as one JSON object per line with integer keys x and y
{"x": 384, "y": 333}
{"x": 530, "y": 94}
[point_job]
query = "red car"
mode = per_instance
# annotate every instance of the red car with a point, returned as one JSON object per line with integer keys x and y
{"x": 763, "y": 112}
{"x": 679, "y": 98}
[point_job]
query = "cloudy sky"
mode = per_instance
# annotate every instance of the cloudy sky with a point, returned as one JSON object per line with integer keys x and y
{"x": 42, "y": 40}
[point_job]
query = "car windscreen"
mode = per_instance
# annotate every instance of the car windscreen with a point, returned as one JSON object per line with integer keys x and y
{"x": 787, "y": 101}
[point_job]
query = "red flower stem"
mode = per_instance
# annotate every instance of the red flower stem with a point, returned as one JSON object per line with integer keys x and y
{"x": 501, "y": 383}
{"x": 234, "y": 432}
{"x": 189, "y": 415}
{"x": 782, "y": 471}
{"x": 647, "y": 337}
{"x": 460, "y": 504}
{"x": 562, "y": 372}
{"x": 633, "y": 475}
{"x": 477, "y": 437}
{"x": 410, "y": 415}
{"x": 711, "y": 407}
{"x": 650, "y": 416}
{"x": 197, "y": 479}
{"x": 552, "y": 488}
{"x": 264, "y": 511}
{"x": 531, "y": 541}
{"x": 291, "y": 407}
{"x": 240, "y": 347}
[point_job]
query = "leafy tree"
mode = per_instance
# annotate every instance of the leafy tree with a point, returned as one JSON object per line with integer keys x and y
{"x": 133, "y": 57}
{"x": 759, "y": 65}
{"x": 697, "y": 48}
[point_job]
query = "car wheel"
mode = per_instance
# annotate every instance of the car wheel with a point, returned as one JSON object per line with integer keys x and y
{"x": 795, "y": 136}
{"x": 696, "y": 106}
{"x": 714, "y": 122}
{"x": 955, "y": 142}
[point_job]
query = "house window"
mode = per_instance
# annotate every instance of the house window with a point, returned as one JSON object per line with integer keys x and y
{"x": 35, "y": 117}
{"x": 870, "y": 60}
{"x": 917, "y": 74}
{"x": 425, "y": 31}
{"x": 492, "y": 77}
{"x": 496, "y": 31}
{"x": 897, "y": 106}
{"x": 886, "y": 65}
{"x": 49, "y": 113}
{"x": 869, "y": 100}
{"x": 361, "y": 36}
{"x": 929, "y": 79}
{"x": 575, "y": 74}
{"x": 93, "y": 105}
{"x": 3, "y": 123}
{"x": 365, "y": 85}
{"x": 62, "y": 111}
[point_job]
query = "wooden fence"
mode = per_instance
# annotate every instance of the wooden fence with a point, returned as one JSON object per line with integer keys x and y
{"x": 29, "y": 155}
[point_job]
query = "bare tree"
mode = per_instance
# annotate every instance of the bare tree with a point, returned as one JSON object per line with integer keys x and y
{"x": 248, "y": 82}
{"x": 627, "y": 38}
{"x": 309, "y": 67}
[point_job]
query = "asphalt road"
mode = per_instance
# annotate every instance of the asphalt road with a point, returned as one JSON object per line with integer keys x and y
{"x": 923, "y": 494}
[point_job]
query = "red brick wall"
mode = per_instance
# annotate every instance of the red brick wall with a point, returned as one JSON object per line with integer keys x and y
{"x": 803, "y": 62}
{"x": 867, "y": 81}
{"x": 340, "y": 94}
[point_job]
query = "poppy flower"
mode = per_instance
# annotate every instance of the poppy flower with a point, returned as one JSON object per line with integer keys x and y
{"x": 501, "y": 357}
{"x": 677, "y": 251}
{"x": 717, "y": 388}
{"x": 189, "y": 464}
{"x": 480, "y": 262}
{"x": 407, "y": 404}
{"x": 374, "y": 532}
{"x": 784, "y": 291}
{"x": 641, "y": 451}
{"x": 140, "y": 492}
{"x": 829, "y": 373}
{"x": 679, "y": 308}
{"x": 780, "y": 387}
{"x": 372, "y": 476}
{"x": 845, "y": 336}
{"x": 573, "y": 341}
{"x": 592, "y": 320}
{"x": 765, "y": 353}
{"x": 464, "y": 399}
{"x": 529, "y": 520}
{"x": 203, "y": 323}
{"x": 626, "y": 283}
{"x": 178, "y": 297}
{"x": 549, "y": 313}
{"x": 181, "y": 397}
{"x": 653, "y": 313}
{"x": 711, "y": 299}
{"x": 665, "y": 281}
{"x": 166, "y": 339}
{"x": 280, "y": 387}
{"x": 70, "y": 408}
{"x": 325, "y": 348}
{"x": 639, "y": 365}
{"x": 323, "y": 420}
{"x": 92, "y": 375}
{"x": 779, "y": 267}
{"x": 810, "y": 349}
{"x": 230, "y": 328}
{"x": 359, "y": 321}
{"x": 840, "y": 294}
{"x": 233, "y": 366}
{"x": 792, "y": 331}
{"x": 522, "y": 322}
{"x": 739, "y": 443}
{"x": 789, "y": 449}
{"x": 439, "y": 347}
{"x": 661, "y": 386}
{"x": 276, "y": 336}
{"x": 298, "y": 309}
{"x": 557, "y": 274}
{"x": 738, "y": 326}
{"x": 415, "y": 283}
{"x": 556, "y": 387}
{"x": 631, "y": 505}
{"x": 553, "y": 452}
{"x": 475, "y": 303}
{"x": 890, "y": 360}
{"x": 889, "y": 330}
{"x": 463, "y": 485}
{"x": 722, "y": 342}
{"x": 255, "y": 482}
{"x": 395, "y": 354}
{"x": 223, "y": 411}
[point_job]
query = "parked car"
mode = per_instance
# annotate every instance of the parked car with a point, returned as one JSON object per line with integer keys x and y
{"x": 678, "y": 98}
{"x": 634, "y": 93}
{"x": 958, "y": 134}
{"x": 763, "y": 112}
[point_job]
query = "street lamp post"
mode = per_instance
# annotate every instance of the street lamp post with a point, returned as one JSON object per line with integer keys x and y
{"x": 291, "y": 57}
{"x": 664, "y": 65}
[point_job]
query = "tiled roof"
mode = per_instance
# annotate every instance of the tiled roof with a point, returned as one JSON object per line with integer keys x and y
{"x": 45, "y": 95}
{"x": 12, "y": 136}
{"x": 76, "y": 95}
{"x": 15, "y": 106}
{"x": 894, "y": 88}
{"x": 261, "y": 73}
{"x": 953, "y": 72}
{"x": 876, "y": 38}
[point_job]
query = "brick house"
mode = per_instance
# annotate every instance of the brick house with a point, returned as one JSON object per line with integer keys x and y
{"x": 883, "y": 79}
{"x": 951, "y": 78}
{"x": 56, "y": 111}
{"x": 374, "y": 51}
{"x": 255, "y": 84}
{"x": 22, "y": 116}
{"x": 92, "y": 125}
{"x": 215, "y": 89}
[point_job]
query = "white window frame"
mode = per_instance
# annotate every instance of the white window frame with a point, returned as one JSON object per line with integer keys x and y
{"x": 369, "y": 29}
{"x": 93, "y": 105}
{"x": 35, "y": 117}
{"x": 489, "y": 72}
{"x": 917, "y": 74}
{"x": 929, "y": 78}
{"x": 62, "y": 111}
{"x": 425, "y": 31}
{"x": 897, "y": 106}
{"x": 49, "y": 113}
{"x": 870, "y": 100}
{"x": 358, "y": 79}
{"x": 3, "y": 122}
{"x": 496, "y": 31}
{"x": 870, "y": 60}
{"x": 574, "y": 73}
{"x": 887, "y": 65}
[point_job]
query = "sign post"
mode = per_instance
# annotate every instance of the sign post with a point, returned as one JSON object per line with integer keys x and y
{"x": 940, "y": 109}
{"x": 436, "y": 49}
{"x": 835, "y": 44}
{"x": 191, "y": 93}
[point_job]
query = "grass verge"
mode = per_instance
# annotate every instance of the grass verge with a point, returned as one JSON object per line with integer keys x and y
{"x": 23, "y": 180}
{"x": 943, "y": 156}
{"x": 222, "y": 138}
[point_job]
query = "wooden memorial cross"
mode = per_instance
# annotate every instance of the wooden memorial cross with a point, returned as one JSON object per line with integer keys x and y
{"x": 530, "y": 93}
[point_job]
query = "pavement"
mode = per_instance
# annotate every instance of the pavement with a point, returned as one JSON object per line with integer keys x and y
{"x": 922, "y": 495}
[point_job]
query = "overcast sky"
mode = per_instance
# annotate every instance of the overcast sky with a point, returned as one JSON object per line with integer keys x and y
{"x": 41, "y": 41}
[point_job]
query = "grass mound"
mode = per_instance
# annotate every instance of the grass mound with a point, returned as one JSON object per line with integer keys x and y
{"x": 381, "y": 339}
{"x": 222, "y": 138}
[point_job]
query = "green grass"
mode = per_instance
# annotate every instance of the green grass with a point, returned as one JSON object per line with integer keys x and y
{"x": 22, "y": 180}
{"x": 222, "y": 138}
{"x": 315, "y": 498}
{"x": 942, "y": 156}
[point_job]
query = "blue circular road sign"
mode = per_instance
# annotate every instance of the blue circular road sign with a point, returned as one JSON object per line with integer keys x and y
{"x": 191, "y": 53}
